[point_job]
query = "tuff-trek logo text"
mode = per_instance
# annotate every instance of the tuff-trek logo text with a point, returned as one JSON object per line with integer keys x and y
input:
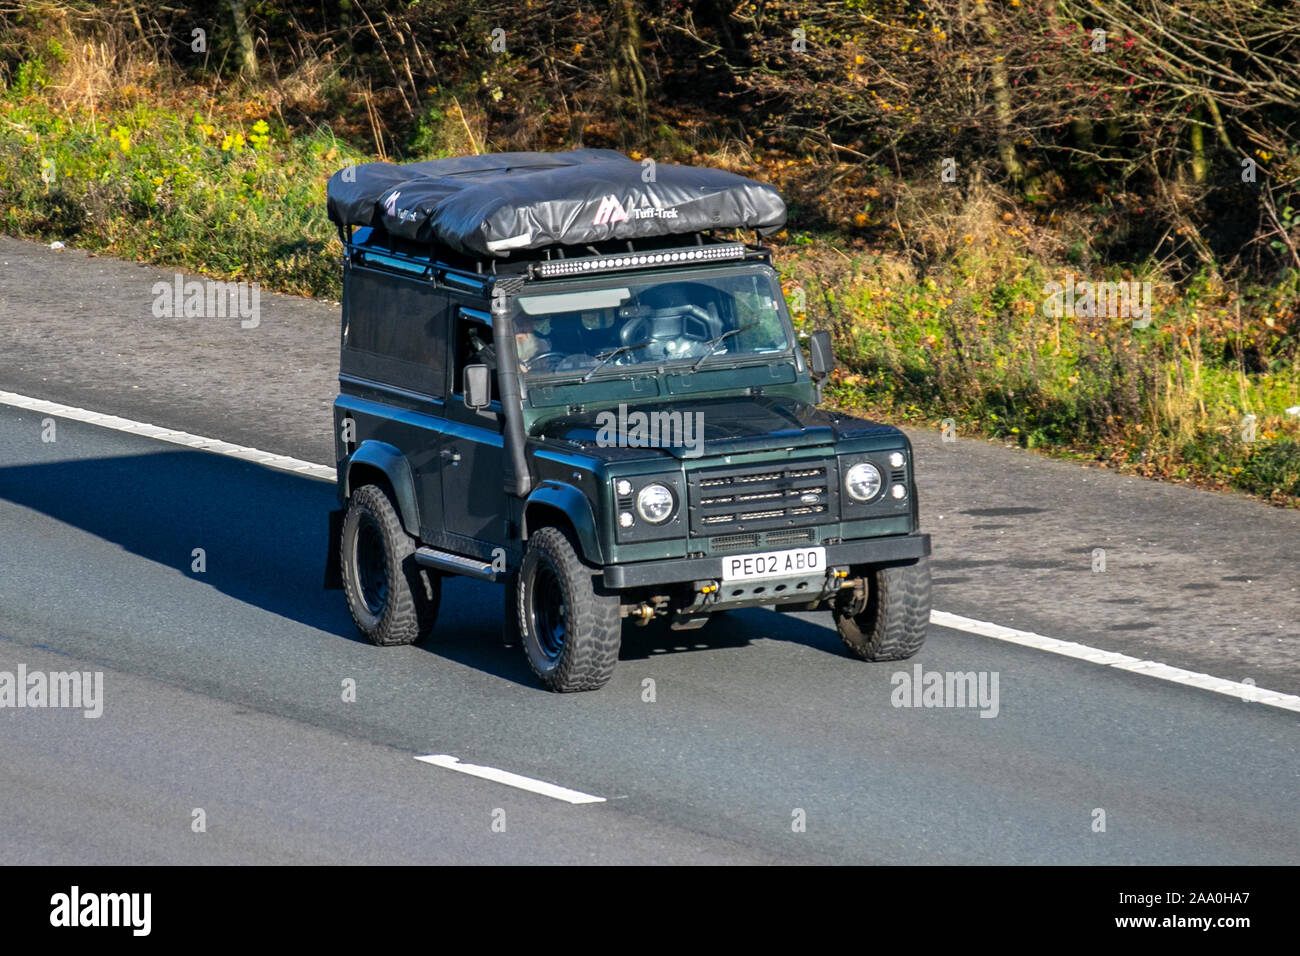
{"x": 401, "y": 215}
{"x": 612, "y": 211}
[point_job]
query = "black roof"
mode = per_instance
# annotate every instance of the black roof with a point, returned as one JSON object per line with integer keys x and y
{"x": 493, "y": 205}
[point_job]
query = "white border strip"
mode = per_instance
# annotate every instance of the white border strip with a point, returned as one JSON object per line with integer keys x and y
{"x": 1093, "y": 655}
{"x": 511, "y": 779}
{"x": 279, "y": 462}
{"x": 1245, "y": 692}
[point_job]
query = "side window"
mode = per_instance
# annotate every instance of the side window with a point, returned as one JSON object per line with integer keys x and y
{"x": 473, "y": 346}
{"x": 394, "y": 331}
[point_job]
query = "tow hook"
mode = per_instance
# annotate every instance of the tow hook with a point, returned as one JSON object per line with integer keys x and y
{"x": 642, "y": 614}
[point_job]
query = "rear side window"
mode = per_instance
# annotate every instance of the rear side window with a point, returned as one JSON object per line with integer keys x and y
{"x": 394, "y": 331}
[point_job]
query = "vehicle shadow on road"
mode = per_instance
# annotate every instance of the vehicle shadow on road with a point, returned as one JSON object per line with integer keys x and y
{"x": 263, "y": 532}
{"x": 730, "y": 630}
{"x": 469, "y": 631}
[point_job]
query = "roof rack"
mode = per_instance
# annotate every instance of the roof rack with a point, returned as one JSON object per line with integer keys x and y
{"x": 374, "y": 247}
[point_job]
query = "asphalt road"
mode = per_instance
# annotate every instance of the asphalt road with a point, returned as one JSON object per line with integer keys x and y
{"x": 223, "y": 692}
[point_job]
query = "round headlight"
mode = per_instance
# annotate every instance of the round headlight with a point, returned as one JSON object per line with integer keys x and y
{"x": 863, "y": 481}
{"x": 654, "y": 503}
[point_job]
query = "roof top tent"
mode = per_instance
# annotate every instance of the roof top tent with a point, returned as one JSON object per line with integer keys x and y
{"x": 512, "y": 207}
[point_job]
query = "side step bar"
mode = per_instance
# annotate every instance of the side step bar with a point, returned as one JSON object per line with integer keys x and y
{"x": 456, "y": 564}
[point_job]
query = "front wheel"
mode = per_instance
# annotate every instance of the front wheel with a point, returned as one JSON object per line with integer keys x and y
{"x": 569, "y": 624}
{"x": 891, "y": 624}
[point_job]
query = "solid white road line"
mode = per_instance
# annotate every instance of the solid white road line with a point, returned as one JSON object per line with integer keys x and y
{"x": 197, "y": 442}
{"x": 1093, "y": 655}
{"x": 1242, "y": 691}
{"x": 511, "y": 779}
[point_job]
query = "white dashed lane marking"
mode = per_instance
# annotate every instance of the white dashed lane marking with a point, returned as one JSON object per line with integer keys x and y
{"x": 555, "y": 791}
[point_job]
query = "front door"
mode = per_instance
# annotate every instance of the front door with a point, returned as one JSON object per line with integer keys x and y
{"x": 472, "y": 450}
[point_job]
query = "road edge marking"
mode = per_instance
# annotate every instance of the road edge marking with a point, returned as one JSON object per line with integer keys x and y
{"x": 553, "y": 790}
{"x": 970, "y": 625}
{"x": 196, "y": 442}
{"x": 1248, "y": 693}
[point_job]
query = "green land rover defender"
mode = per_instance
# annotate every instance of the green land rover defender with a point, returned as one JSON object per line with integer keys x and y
{"x": 568, "y": 373}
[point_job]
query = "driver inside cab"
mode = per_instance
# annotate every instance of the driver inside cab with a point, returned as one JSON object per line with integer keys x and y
{"x": 528, "y": 344}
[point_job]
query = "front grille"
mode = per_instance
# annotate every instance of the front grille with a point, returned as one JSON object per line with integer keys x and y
{"x": 798, "y": 536}
{"x": 757, "y": 497}
{"x": 753, "y": 541}
{"x": 734, "y": 542}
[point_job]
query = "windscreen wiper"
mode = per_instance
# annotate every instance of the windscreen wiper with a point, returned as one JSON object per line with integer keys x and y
{"x": 604, "y": 358}
{"x": 713, "y": 343}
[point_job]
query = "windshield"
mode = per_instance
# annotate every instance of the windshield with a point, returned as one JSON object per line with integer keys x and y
{"x": 701, "y": 319}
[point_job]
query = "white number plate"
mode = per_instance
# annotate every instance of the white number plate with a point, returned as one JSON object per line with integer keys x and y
{"x": 774, "y": 564}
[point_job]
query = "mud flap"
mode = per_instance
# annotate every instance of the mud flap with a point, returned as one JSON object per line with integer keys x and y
{"x": 333, "y": 569}
{"x": 510, "y": 617}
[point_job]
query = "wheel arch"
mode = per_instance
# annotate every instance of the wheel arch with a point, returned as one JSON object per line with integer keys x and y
{"x": 563, "y": 506}
{"x": 380, "y": 463}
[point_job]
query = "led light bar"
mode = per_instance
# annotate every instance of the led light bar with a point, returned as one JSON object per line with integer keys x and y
{"x": 591, "y": 265}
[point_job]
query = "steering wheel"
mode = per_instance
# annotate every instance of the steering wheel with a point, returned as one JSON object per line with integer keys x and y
{"x": 528, "y": 365}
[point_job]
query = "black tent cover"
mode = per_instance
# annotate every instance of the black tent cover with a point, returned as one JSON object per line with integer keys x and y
{"x": 500, "y": 203}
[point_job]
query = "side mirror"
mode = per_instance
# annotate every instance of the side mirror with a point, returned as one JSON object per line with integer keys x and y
{"x": 822, "y": 359}
{"x": 477, "y": 387}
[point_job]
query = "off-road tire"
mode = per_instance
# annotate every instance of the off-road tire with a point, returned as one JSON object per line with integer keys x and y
{"x": 408, "y": 606}
{"x": 893, "y": 624}
{"x": 585, "y": 655}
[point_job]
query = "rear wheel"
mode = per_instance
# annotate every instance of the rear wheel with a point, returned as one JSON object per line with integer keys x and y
{"x": 569, "y": 624}
{"x": 392, "y": 599}
{"x": 891, "y": 624}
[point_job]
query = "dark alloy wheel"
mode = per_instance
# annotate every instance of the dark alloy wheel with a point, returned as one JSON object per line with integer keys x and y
{"x": 549, "y": 615}
{"x": 372, "y": 564}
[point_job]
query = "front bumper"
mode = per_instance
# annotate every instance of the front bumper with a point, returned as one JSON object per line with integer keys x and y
{"x": 894, "y": 549}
